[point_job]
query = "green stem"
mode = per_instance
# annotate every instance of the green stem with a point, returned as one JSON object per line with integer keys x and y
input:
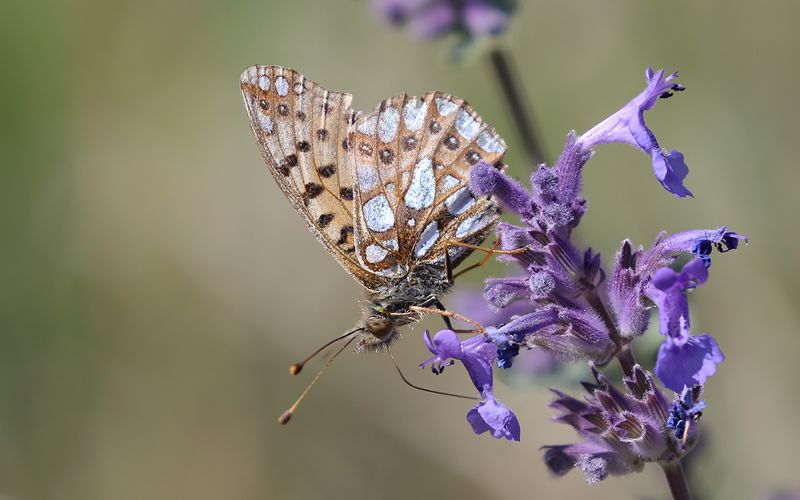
{"x": 677, "y": 481}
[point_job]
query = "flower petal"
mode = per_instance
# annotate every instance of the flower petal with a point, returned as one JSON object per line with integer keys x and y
{"x": 493, "y": 416}
{"x": 688, "y": 364}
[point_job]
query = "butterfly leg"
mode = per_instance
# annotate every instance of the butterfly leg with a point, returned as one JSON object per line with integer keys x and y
{"x": 429, "y": 310}
{"x": 440, "y": 306}
{"x": 483, "y": 261}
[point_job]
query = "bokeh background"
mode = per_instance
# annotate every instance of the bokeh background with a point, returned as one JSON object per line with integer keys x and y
{"x": 156, "y": 284}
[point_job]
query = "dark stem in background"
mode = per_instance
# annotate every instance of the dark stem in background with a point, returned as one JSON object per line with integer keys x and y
{"x": 504, "y": 70}
{"x": 677, "y": 481}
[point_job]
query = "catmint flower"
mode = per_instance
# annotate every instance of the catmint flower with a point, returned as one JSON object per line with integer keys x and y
{"x": 701, "y": 242}
{"x": 567, "y": 333}
{"x": 634, "y": 270}
{"x": 621, "y": 431}
{"x": 433, "y": 18}
{"x": 470, "y": 301}
{"x": 683, "y": 360}
{"x": 477, "y": 355}
{"x": 627, "y": 126}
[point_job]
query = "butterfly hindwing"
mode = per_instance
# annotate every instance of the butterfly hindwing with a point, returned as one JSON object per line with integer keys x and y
{"x": 411, "y": 158}
{"x": 302, "y": 133}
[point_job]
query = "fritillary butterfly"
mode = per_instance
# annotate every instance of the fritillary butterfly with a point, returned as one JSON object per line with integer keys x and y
{"x": 386, "y": 192}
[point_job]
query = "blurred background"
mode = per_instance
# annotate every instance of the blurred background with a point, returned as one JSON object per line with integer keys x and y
{"x": 156, "y": 284}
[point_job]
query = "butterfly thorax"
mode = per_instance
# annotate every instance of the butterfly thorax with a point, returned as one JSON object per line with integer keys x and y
{"x": 390, "y": 305}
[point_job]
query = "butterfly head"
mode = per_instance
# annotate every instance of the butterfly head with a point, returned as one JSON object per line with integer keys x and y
{"x": 379, "y": 327}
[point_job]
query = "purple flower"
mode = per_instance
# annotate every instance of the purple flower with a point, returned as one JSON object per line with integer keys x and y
{"x": 433, "y": 18}
{"x": 477, "y": 355}
{"x": 490, "y": 415}
{"x": 668, "y": 291}
{"x": 683, "y": 360}
{"x": 621, "y": 431}
{"x": 627, "y": 126}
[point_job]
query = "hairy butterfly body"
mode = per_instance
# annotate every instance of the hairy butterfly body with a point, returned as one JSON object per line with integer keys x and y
{"x": 386, "y": 192}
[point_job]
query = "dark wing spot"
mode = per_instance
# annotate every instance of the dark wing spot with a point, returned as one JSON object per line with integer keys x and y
{"x": 303, "y": 146}
{"x": 472, "y": 157}
{"x": 346, "y": 194}
{"x": 291, "y": 160}
{"x": 346, "y": 144}
{"x": 283, "y": 109}
{"x": 264, "y": 104}
{"x": 327, "y": 171}
{"x": 350, "y": 250}
{"x": 301, "y": 115}
{"x": 387, "y": 155}
{"x": 409, "y": 143}
{"x": 322, "y": 134}
{"x": 365, "y": 149}
{"x": 324, "y": 220}
{"x": 451, "y": 143}
{"x": 343, "y": 234}
{"x": 312, "y": 191}
{"x": 284, "y": 169}
{"x": 434, "y": 127}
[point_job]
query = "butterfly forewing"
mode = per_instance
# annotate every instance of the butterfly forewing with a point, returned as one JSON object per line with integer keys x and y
{"x": 302, "y": 132}
{"x": 412, "y": 157}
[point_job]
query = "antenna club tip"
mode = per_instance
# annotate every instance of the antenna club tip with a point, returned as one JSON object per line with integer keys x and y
{"x": 285, "y": 417}
{"x": 295, "y": 368}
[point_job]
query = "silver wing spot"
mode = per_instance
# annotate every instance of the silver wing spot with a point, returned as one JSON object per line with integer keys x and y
{"x": 263, "y": 82}
{"x": 414, "y": 114}
{"x": 367, "y": 177}
{"x": 282, "y": 86}
{"x": 422, "y": 190}
{"x": 387, "y": 124}
{"x": 466, "y": 125}
{"x": 489, "y": 142}
{"x": 473, "y": 224}
{"x": 427, "y": 239}
{"x": 375, "y": 253}
{"x": 378, "y": 214}
{"x": 460, "y": 201}
{"x": 368, "y": 126}
{"x": 445, "y": 106}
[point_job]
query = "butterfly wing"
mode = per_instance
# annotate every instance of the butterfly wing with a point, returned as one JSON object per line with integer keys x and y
{"x": 302, "y": 131}
{"x": 411, "y": 158}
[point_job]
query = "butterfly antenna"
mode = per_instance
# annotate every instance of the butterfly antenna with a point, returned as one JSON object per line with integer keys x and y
{"x": 399, "y": 372}
{"x": 298, "y": 367}
{"x": 287, "y": 415}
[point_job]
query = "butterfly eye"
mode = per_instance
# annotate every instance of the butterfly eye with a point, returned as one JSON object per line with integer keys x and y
{"x": 379, "y": 326}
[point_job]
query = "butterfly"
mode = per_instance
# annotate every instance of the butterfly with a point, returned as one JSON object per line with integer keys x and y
{"x": 386, "y": 192}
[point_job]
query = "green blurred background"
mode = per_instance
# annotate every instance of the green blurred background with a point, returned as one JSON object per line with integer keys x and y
{"x": 156, "y": 284}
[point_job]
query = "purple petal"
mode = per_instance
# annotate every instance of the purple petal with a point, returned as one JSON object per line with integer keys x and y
{"x": 491, "y": 415}
{"x": 668, "y": 291}
{"x": 688, "y": 364}
{"x": 628, "y": 126}
{"x": 433, "y": 21}
{"x": 485, "y": 179}
{"x": 471, "y": 302}
{"x": 446, "y": 345}
{"x": 482, "y": 19}
{"x": 670, "y": 170}
{"x": 501, "y": 292}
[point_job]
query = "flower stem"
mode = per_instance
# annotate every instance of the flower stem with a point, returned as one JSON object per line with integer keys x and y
{"x": 626, "y": 360}
{"x": 624, "y": 354}
{"x": 677, "y": 481}
{"x": 504, "y": 71}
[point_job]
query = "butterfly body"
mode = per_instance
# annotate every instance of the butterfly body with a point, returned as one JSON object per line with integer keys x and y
{"x": 385, "y": 192}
